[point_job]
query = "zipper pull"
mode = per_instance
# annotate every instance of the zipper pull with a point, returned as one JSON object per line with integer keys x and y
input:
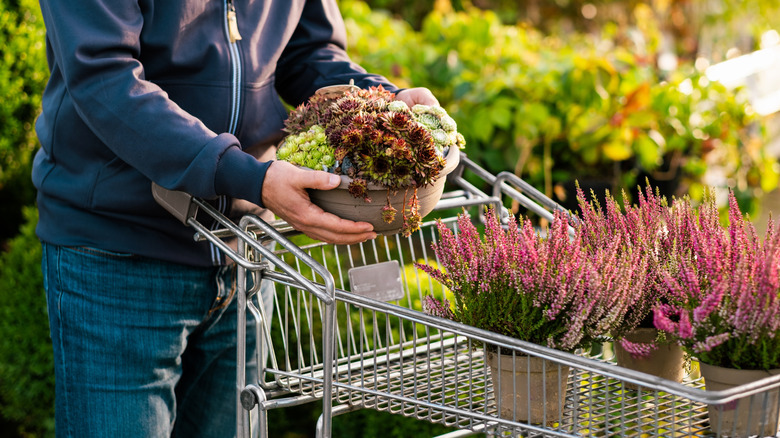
{"x": 232, "y": 23}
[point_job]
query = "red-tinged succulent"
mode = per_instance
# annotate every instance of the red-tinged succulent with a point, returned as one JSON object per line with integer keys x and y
{"x": 359, "y": 189}
{"x": 388, "y": 213}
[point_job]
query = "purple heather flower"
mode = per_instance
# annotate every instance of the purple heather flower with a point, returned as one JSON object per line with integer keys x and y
{"x": 724, "y": 287}
{"x": 433, "y": 306}
{"x": 637, "y": 350}
{"x": 711, "y": 342}
{"x": 501, "y": 276}
{"x": 662, "y": 320}
{"x": 684, "y": 327}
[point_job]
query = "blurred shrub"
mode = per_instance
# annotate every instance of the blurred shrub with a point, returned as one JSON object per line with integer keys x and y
{"x": 691, "y": 27}
{"x": 23, "y": 75}
{"x": 583, "y": 108}
{"x": 372, "y": 424}
{"x": 26, "y": 362}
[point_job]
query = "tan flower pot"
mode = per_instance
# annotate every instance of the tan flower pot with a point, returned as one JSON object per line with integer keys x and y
{"x": 341, "y": 203}
{"x": 749, "y": 416}
{"x": 667, "y": 361}
{"x": 531, "y": 390}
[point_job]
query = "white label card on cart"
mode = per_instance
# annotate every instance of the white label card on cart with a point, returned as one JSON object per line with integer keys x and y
{"x": 380, "y": 281}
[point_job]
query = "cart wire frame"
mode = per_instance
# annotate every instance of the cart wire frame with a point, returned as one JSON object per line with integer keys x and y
{"x": 323, "y": 343}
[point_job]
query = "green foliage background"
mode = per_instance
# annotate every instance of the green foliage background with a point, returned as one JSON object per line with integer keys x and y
{"x": 23, "y": 74}
{"x": 26, "y": 363}
{"x": 585, "y": 107}
{"x": 549, "y": 107}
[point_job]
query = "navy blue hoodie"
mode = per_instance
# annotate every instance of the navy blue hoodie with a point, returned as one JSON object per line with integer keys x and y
{"x": 148, "y": 90}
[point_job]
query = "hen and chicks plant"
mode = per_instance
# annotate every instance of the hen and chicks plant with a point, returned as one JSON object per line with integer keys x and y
{"x": 372, "y": 138}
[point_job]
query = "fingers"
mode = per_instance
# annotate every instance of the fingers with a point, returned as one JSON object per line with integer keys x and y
{"x": 415, "y": 96}
{"x": 330, "y": 228}
{"x": 284, "y": 193}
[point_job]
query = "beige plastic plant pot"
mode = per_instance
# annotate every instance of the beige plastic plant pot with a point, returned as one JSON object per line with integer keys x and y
{"x": 745, "y": 417}
{"x": 667, "y": 361}
{"x": 530, "y": 389}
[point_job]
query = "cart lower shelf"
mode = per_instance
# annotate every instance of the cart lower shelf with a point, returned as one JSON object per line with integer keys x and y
{"x": 446, "y": 381}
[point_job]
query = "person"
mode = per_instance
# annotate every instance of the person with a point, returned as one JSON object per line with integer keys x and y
{"x": 189, "y": 95}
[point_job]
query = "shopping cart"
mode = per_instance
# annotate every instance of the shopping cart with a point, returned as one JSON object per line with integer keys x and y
{"x": 347, "y": 330}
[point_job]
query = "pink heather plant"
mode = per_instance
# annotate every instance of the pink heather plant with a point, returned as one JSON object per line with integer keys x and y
{"x": 550, "y": 291}
{"x": 641, "y": 229}
{"x": 723, "y": 281}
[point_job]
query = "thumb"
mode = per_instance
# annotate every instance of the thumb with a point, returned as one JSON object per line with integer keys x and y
{"x": 321, "y": 180}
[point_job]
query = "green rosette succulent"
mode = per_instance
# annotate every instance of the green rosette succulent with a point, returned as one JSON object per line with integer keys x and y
{"x": 308, "y": 149}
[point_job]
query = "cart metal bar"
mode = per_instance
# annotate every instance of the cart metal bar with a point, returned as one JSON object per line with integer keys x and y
{"x": 267, "y": 253}
{"x": 288, "y": 402}
{"x": 470, "y": 202}
{"x": 243, "y": 417}
{"x": 558, "y": 356}
{"x": 280, "y": 226}
{"x": 528, "y": 189}
{"x": 327, "y": 297}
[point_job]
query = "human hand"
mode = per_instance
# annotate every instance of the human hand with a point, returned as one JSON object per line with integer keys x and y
{"x": 415, "y": 96}
{"x": 284, "y": 193}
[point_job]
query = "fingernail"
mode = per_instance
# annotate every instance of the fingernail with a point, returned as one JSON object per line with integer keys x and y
{"x": 334, "y": 180}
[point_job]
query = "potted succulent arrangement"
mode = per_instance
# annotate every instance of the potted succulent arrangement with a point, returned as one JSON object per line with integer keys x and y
{"x": 545, "y": 290}
{"x": 725, "y": 309}
{"x": 643, "y": 228}
{"x": 380, "y": 147}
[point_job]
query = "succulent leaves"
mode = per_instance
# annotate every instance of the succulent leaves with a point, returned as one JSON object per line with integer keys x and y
{"x": 369, "y": 136}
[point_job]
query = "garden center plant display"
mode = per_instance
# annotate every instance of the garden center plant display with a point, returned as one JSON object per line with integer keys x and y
{"x": 709, "y": 287}
{"x": 379, "y": 146}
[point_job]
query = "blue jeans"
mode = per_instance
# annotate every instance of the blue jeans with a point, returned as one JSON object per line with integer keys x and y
{"x": 142, "y": 347}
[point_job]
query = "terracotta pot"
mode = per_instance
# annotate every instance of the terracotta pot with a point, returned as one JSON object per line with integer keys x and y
{"x": 339, "y": 202}
{"x": 749, "y": 416}
{"x": 667, "y": 361}
{"x": 531, "y": 389}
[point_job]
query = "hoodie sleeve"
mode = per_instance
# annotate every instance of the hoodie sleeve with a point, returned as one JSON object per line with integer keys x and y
{"x": 316, "y": 56}
{"x": 94, "y": 49}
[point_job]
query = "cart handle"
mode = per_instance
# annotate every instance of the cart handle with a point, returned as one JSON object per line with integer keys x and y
{"x": 184, "y": 207}
{"x": 328, "y": 296}
{"x": 507, "y": 183}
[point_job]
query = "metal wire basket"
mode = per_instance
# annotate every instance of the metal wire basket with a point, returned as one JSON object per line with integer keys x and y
{"x": 331, "y": 340}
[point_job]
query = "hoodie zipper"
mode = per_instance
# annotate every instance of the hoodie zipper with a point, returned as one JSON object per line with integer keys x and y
{"x": 233, "y": 36}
